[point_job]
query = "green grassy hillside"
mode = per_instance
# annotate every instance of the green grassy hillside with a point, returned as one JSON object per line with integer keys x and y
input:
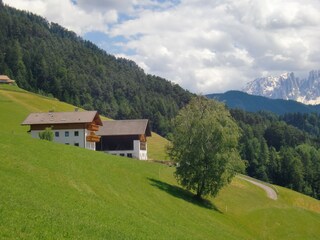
{"x": 19, "y": 103}
{"x": 53, "y": 191}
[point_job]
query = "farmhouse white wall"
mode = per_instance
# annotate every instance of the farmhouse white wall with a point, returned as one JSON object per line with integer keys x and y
{"x": 135, "y": 153}
{"x": 140, "y": 154}
{"x": 71, "y": 139}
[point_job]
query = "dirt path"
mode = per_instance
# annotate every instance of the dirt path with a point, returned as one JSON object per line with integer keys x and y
{"x": 271, "y": 193}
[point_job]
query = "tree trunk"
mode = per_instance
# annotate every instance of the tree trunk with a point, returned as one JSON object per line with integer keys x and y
{"x": 200, "y": 191}
{"x": 198, "y": 196}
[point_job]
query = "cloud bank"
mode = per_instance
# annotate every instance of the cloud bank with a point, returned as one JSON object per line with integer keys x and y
{"x": 205, "y": 46}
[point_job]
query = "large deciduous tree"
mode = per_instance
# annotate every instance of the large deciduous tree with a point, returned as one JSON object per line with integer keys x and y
{"x": 204, "y": 145}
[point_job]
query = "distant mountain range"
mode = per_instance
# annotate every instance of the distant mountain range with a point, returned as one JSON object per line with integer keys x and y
{"x": 288, "y": 87}
{"x": 251, "y": 103}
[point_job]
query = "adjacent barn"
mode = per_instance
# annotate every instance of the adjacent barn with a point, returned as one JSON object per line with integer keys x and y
{"x": 125, "y": 138}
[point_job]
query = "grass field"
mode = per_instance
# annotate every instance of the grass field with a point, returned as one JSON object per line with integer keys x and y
{"x": 54, "y": 191}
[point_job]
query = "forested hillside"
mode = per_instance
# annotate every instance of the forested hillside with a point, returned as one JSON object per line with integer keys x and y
{"x": 280, "y": 153}
{"x": 45, "y": 58}
{"x": 252, "y": 103}
{"x": 309, "y": 123}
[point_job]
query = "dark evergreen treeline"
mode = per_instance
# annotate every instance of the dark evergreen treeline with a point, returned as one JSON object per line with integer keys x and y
{"x": 277, "y": 152}
{"x": 44, "y": 57}
{"x": 309, "y": 123}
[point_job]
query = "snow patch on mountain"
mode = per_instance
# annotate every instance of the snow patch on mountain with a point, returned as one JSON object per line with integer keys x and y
{"x": 287, "y": 86}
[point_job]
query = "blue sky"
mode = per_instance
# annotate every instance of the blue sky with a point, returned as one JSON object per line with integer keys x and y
{"x": 112, "y": 45}
{"x": 205, "y": 46}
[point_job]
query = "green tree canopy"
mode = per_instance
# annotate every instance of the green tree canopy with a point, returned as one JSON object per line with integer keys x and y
{"x": 46, "y": 134}
{"x": 204, "y": 145}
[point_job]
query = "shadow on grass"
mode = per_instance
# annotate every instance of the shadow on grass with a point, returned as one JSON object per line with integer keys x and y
{"x": 182, "y": 194}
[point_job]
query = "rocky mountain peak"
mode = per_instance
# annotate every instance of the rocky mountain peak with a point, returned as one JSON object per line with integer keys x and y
{"x": 287, "y": 86}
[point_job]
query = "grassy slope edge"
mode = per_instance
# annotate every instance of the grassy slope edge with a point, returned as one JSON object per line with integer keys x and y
{"x": 53, "y": 191}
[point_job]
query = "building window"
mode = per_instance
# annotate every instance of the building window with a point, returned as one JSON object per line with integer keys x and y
{"x": 76, "y": 133}
{"x": 66, "y": 134}
{"x": 67, "y": 143}
{"x": 129, "y": 155}
{"x": 56, "y": 134}
{"x": 76, "y": 144}
{"x": 122, "y": 154}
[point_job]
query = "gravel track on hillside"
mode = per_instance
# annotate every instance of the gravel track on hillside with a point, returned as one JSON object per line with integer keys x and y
{"x": 271, "y": 193}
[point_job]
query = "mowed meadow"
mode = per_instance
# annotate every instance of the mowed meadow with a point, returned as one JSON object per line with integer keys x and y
{"x": 53, "y": 191}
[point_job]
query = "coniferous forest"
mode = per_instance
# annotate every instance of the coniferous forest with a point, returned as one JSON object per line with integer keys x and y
{"x": 45, "y": 58}
{"x": 278, "y": 152}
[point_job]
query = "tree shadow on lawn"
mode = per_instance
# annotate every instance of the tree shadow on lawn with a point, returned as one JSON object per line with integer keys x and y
{"x": 182, "y": 194}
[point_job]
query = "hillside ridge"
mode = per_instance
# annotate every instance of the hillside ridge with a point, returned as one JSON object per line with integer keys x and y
{"x": 252, "y": 103}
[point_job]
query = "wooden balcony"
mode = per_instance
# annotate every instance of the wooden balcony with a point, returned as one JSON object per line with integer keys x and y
{"x": 93, "y": 127}
{"x": 93, "y": 138}
{"x": 142, "y": 138}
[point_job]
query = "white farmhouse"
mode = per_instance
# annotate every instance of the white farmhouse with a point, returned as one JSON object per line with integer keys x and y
{"x": 70, "y": 128}
{"x": 125, "y": 138}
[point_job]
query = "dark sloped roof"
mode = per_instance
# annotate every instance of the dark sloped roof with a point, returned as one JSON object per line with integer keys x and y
{"x": 62, "y": 118}
{"x": 125, "y": 127}
{"x": 5, "y": 79}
